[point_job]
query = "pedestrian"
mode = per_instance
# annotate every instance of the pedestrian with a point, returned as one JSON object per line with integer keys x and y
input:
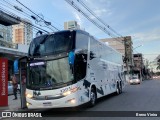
{"x": 23, "y": 89}
{"x": 15, "y": 86}
{"x": 23, "y": 80}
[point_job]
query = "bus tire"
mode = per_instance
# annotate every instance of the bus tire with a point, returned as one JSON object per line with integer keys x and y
{"x": 93, "y": 97}
{"x": 117, "y": 89}
{"x": 120, "y": 88}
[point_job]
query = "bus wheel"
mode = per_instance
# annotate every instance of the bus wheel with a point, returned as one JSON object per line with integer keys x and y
{"x": 120, "y": 88}
{"x": 117, "y": 89}
{"x": 93, "y": 97}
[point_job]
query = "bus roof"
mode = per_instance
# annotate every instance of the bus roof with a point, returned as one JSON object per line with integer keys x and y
{"x": 84, "y": 32}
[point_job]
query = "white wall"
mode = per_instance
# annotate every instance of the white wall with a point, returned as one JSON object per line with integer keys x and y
{"x": 23, "y": 48}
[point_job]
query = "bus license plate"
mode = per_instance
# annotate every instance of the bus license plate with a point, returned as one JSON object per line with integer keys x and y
{"x": 47, "y": 104}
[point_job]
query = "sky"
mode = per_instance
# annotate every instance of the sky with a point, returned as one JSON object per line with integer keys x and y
{"x": 139, "y": 19}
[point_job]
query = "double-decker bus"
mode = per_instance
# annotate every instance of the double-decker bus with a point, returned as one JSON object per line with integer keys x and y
{"x": 69, "y": 68}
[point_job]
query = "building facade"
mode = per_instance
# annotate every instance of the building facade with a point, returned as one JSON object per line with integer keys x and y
{"x": 70, "y": 25}
{"x": 6, "y": 37}
{"x": 6, "y": 33}
{"x": 22, "y": 33}
{"x": 7, "y": 48}
{"x": 117, "y": 44}
{"x": 139, "y": 67}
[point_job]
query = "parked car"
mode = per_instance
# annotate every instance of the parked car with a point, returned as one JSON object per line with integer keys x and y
{"x": 154, "y": 77}
{"x": 10, "y": 88}
{"x": 135, "y": 80}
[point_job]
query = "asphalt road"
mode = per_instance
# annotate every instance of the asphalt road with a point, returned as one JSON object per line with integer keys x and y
{"x": 143, "y": 97}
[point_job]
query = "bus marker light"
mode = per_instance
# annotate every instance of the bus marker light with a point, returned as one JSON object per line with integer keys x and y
{"x": 67, "y": 93}
{"x": 70, "y": 91}
{"x": 29, "y": 95}
{"x": 74, "y": 89}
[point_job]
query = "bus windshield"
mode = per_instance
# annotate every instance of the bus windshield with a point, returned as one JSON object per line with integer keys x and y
{"x": 51, "y": 44}
{"x": 49, "y": 74}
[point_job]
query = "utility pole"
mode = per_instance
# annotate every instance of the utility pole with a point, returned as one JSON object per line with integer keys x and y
{"x": 126, "y": 54}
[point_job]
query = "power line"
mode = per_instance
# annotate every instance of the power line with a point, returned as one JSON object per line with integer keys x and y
{"x": 15, "y": 7}
{"x": 91, "y": 20}
{"x": 49, "y": 23}
{"x": 34, "y": 29}
{"x": 20, "y": 20}
{"x": 84, "y": 14}
{"x": 60, "y": 26}
{"x": 89, "y": 10}
{"x": 25, "y": 14}
{"x": 19, "y": 10}
{"x": 42, "y": 17}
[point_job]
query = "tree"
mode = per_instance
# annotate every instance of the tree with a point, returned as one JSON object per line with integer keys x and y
{"x": 158, "y": 63}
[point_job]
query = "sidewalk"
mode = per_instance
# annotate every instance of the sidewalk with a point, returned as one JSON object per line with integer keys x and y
{"x": 13, "y": 105}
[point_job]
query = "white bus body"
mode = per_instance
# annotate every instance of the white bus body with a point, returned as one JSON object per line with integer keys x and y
{"x": 104, "y": 75}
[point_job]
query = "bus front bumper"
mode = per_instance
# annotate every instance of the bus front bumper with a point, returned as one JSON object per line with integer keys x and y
{"x": 67, "y": 101}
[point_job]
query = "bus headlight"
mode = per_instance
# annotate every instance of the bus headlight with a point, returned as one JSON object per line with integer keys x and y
{"x": 29, "y": 95}
{"x": 70, "y": 91}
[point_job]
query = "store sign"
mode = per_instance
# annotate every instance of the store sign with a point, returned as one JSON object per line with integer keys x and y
{"x": 3, "y": 82}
